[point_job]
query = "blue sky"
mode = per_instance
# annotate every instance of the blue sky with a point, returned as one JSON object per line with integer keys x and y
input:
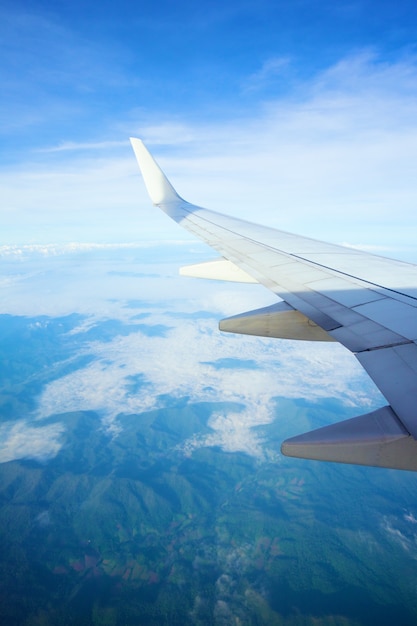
{"x": 301, "y": 114}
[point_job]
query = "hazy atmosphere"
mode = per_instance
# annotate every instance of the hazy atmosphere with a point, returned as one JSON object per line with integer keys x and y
{"x": 141, "y": 474}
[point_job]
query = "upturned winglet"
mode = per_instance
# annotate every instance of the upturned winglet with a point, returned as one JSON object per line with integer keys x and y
{"x": 157, "y": 184}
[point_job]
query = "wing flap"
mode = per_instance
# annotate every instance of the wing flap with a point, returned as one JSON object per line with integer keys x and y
{"x": 279, "y": 320}
{"x": 377, "y": 439}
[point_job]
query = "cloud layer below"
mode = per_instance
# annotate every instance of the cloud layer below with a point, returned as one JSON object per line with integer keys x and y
{"x": 177, "y": 352}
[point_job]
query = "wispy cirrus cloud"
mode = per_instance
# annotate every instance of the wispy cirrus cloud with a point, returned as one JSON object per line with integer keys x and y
{"x": 400, "y": 533}
{"x": 331, "y": 159}
{"x": 69, "y": 146}
{"x": 272, "y": 69}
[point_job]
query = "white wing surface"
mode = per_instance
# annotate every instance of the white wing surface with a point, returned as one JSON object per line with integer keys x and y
{"x": 329, "y": 293}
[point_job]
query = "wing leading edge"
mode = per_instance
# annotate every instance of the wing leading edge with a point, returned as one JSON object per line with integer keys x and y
{"x": 331, "y": 293}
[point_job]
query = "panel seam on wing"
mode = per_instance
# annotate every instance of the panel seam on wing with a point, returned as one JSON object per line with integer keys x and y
{"x": 304, "y": 260}
{"x": 387, "y": 345}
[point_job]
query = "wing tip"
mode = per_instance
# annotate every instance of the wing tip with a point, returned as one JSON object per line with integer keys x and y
{"x": 157, "y": 184}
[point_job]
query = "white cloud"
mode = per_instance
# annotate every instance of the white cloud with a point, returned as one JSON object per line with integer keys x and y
{"x": 59, "y": 249}
{"x": 233, "y": 432}
{"x": 20, "y": 440}
{"x": 183, "y": 364}
{"x": 409, "y": 517}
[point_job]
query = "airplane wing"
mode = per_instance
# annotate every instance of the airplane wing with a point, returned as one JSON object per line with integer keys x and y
{"x": 328, "y": 293}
